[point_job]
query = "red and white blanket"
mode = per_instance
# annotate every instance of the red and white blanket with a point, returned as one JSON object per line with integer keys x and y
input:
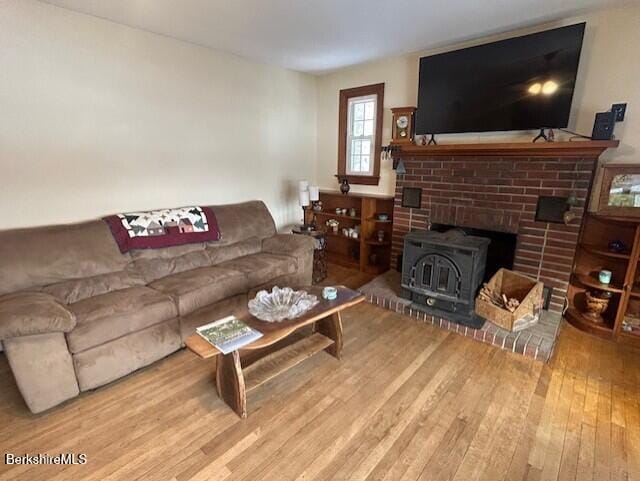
{"x": 163, "y": 228}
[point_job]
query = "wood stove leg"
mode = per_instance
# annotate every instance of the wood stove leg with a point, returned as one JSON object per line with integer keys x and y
{"x": 230, "y": 383}
{"x": 332, "y": 328}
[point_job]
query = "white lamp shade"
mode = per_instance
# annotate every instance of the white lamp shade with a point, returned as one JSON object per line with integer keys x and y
{"x": 303, "y": 185}
{"x": 304, "y": 198}
{"x": 314, "y": 193}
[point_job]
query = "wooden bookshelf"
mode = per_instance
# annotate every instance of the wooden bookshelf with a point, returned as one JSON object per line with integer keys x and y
{"x": 361, "y": 252}
{"x": 592, "y": 255}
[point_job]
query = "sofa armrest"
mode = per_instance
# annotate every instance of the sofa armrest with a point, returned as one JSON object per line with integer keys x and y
{"x": 300, "y": 247}
{"x": 289, "y": 244}
{"x": 29, "y": 313}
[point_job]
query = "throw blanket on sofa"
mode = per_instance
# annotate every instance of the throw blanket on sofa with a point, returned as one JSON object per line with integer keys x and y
{"x": 163, "y": 228}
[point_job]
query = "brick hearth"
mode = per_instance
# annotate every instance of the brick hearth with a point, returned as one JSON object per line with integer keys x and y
{"x": 500, "y": 194}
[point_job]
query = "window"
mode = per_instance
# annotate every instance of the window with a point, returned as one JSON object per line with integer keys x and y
{"x": 361, "y": 135}
{"x": 360, "y": 129}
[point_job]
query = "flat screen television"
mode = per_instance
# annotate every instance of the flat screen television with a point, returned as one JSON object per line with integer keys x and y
{"x": 520, "y": 83}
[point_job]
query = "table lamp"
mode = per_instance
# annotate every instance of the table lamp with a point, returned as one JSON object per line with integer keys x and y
{"x": 304, "y": 201}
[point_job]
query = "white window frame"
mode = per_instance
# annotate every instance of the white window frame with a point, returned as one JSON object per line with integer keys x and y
{"x": 350, "y": 137}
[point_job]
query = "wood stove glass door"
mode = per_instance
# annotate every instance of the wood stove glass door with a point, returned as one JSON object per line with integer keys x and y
{"x": 438, "y": 274}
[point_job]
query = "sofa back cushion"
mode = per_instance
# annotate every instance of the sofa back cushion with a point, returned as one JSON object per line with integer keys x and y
{"x": 48, "y": 255}
{"x": 242, "y": 228}
{"x": 223, "y": 253}
{"x": 154, "y": 264}
{"x": 75, "y": 290}
{"x": 238, "y": 222}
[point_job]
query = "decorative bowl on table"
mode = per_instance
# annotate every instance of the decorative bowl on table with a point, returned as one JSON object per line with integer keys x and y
{"x": 281, "y": 304}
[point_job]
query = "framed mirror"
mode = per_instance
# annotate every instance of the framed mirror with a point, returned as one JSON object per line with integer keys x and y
{"x": 620, "y": 191}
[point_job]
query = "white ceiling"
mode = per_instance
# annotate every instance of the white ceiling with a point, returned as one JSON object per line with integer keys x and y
{"x": 320, "y": 35}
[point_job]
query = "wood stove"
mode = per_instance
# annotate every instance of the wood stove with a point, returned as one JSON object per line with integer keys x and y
{"x": 441, "y": 273}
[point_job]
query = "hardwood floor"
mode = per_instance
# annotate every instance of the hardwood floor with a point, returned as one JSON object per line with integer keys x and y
{"x": 407, "y": 401}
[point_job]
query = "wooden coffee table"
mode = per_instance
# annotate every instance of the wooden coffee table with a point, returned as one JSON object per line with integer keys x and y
{"x": 233, "y": 380}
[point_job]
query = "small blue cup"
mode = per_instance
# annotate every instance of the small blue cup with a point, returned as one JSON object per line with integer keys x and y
{"x": 330, "y": 293}
{"x": 604, "y": 276}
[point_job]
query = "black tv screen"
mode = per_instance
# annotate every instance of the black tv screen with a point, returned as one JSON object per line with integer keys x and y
{"x": 517, "y": 84}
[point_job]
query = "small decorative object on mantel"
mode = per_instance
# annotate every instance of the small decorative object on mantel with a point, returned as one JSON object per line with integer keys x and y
{"x": 382, "y": 216}
{"x": 620, "y": 191}
{"x": 281, "y": 304}
{"x": 597, "y": 303}
{"x": 344, "y": 186}
{"x": 402, "y": 125}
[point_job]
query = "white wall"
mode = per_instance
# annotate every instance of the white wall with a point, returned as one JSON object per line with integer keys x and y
{"x": 609, "y": 72}
{"x": 97, "y": 118}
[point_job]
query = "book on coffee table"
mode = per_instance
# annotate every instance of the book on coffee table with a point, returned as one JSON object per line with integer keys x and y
{"x": 228, "y": 334}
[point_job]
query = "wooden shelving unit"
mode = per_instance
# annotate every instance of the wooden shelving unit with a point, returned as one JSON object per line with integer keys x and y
{"x": 592, "y": 255}
{"x": 357, "y": 253}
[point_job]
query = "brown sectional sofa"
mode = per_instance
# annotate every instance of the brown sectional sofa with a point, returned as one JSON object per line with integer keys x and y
{"x": 76, "y": 314}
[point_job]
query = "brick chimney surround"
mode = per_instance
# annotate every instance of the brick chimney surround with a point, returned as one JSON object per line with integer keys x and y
{"x": 496, "y": 187}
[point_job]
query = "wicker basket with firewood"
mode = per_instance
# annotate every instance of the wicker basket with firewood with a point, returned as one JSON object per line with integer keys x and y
{"x": 510, "y": 300}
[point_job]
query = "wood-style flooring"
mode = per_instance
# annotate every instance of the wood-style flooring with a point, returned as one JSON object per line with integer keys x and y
{"x": 407, "y": 401}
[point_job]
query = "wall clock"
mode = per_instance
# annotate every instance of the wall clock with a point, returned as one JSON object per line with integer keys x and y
{"x": 402, "y": 128}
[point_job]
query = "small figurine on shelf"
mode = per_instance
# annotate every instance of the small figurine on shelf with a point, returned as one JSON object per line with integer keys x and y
{"x": 380, "y": 236}
{"x": 617, "y": 246}
{"x": 597, "y": 303}
{"x": 333, "y": 225}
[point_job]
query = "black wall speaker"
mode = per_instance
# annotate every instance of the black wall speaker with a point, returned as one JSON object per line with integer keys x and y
{"x": 411, "y": 197}
{"x": 603, "y": 126}
{"x": 551, "y": 209}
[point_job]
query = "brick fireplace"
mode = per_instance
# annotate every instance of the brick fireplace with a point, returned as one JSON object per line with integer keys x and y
{"x": 500, "y": 193}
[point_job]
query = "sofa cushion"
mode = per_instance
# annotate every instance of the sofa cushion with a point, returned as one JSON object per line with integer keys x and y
{"x": 154, "y": 269}
{"x": 108, "y": 362}
{"x": 222, "y": 253}
{"x": 76, "y": 290}
{"x": 29, "y": 313}
{"x": 199, "y": 287}
{"x": 260, "y": 268}
{"x": 47, "y": 255}
{"x": 106, "y": 317}
{"x": 238, "y": 222}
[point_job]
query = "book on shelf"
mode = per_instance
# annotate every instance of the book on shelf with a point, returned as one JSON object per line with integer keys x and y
{"x": 228, "y": 334}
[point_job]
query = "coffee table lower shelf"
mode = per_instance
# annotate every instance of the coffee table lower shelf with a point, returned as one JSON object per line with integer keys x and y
{"x": 233, "y": 382}
{"x": 268, "y": 367}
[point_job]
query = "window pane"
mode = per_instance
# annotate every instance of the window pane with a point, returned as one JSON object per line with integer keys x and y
{"x": 364, "y": 163}
{"x": 368, "y": 110}
{"x": 358, "y": 128}
{"x": 355, "y": 147}
{"x": 368, "y": 127}
{"x": 365, "y": 147}
{"x": 358, "y": 111}
{"x": 355, "y": 163}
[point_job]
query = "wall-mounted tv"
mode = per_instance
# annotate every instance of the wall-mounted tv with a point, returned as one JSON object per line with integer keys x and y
{"x": 520, "y": 83}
